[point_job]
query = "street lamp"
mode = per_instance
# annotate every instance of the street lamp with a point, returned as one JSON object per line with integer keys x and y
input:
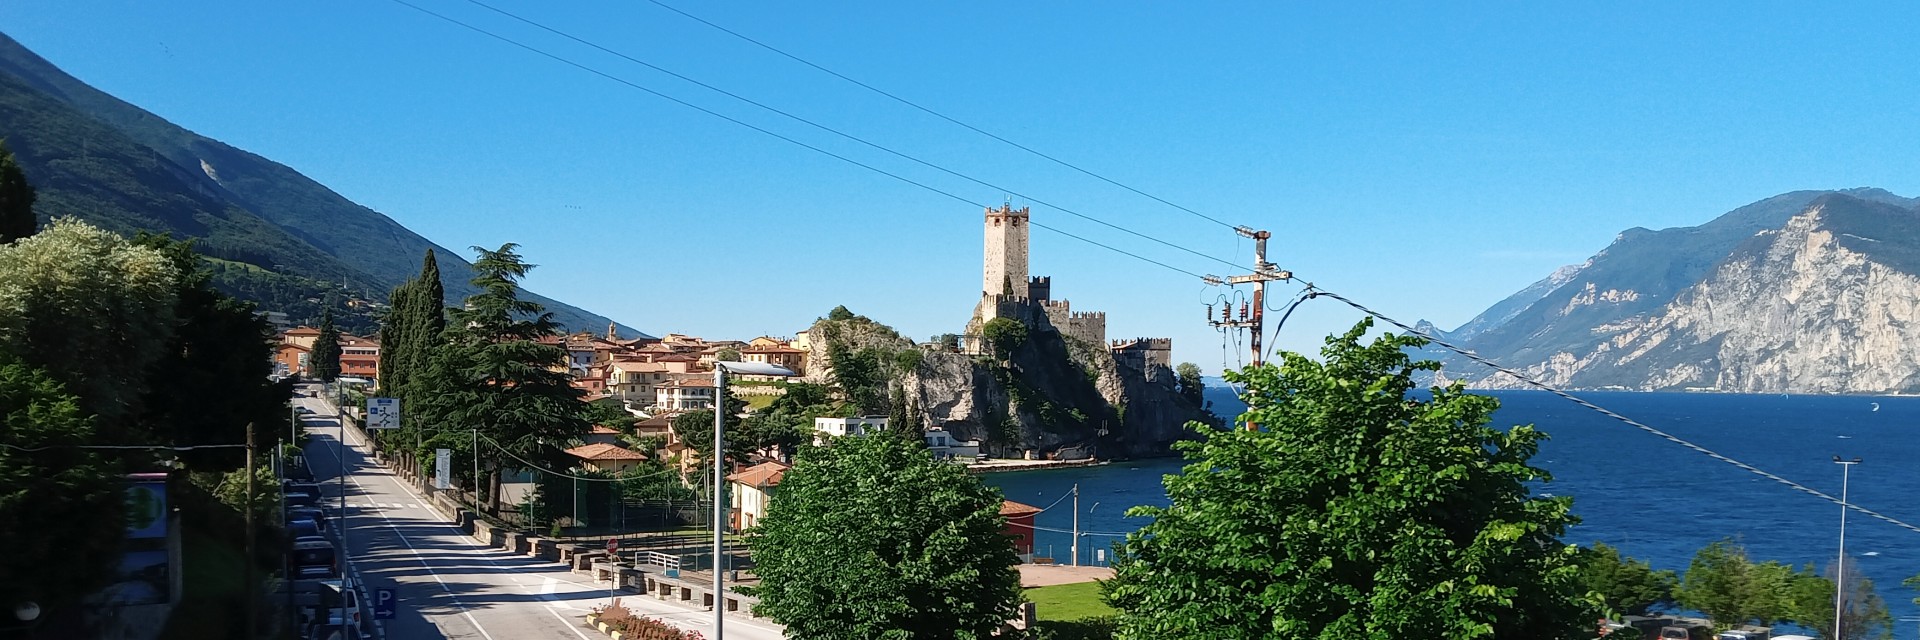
{"x": 720, "y": 370}
{"x": 1840, "y": 569}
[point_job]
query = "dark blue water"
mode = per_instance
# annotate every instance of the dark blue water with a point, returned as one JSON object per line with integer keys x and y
{"x": 1653, "y": 499}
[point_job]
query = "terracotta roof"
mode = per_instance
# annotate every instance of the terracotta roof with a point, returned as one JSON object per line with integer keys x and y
{"x": 772, "y": 350}
{"x": 765, "y": 474}
{"x": 638, "y": 367}
{"x": 697, "y": 383}
{"x": 289, "y": 345}
{"x": 604, "y": 431}
{"x": 604, "y": 451}
{"x": 303, "y": 331}
{"x": 1013, "y": 509}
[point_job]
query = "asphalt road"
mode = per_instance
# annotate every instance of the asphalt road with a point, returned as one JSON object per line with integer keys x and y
{"x": 448, "y": 585}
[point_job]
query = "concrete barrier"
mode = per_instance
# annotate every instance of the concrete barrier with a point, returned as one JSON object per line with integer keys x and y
{"x": 583, "y": 560}
{"x": 485, "y": 534}
{"x": 567, "y": 551}
{"x": 632, "y": 577}
{"x": 514, "y": 541}
{"x": 545, "y": 549}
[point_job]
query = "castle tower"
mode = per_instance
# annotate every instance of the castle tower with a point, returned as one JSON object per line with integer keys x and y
{"x": 1006, "y": 263}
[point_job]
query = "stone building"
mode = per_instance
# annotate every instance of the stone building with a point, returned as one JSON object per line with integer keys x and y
{"x": 1008, "y": 291}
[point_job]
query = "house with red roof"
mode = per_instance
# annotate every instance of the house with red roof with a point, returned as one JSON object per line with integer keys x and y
{"x": 749, "y": 491}
{"x": 609, "y": 458}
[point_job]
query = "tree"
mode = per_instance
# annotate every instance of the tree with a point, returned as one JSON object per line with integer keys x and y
{"x": 918, "y": 550}
{"x": 1356, "y": 510}
{"x": 787, "y": 423}
{"x": 1188, "y": 375}
{"x": 16, "y": 199}
{"x": 212, "y": 379}
{"x": 54, "y": 501}
{"x": 1733, "y": 590}
{"x": 323, "y": 363}
{"x": 1004, "y": 334}
{"x": 840, "y": 313}
{"x": 695, "y": 429}
{"x": 1865, "y": 616}
{"x": 949, "y": 342}
{"x": 1627, "y": 586}
{"x": 90, "y": 308}
{"x": 394, "y": 340}
{"x": 728, "y": 354}
{"x": 492, "y": 374}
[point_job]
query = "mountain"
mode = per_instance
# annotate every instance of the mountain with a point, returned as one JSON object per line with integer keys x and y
{"x": 276, "y": 236}
{"x": 1804, "y": 292}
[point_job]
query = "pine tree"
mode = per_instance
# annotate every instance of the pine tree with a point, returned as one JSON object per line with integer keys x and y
{"x": 323, "y": 362}
{"x": 16, "y": 200}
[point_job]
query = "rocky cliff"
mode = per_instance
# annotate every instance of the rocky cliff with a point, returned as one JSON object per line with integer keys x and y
{"x": 1051, "y": 394}
{"x": 1807, "y": 292}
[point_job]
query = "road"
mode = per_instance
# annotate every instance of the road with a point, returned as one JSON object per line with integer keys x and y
{"x": 450, "y": 586}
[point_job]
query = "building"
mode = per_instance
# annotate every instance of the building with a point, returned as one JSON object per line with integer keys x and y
{"x": 606, "y": 458}
{"x": 945, "y": 447}
{"x": 841, "y": 427}
{"x": 691, "y": 394}
{"x": 359, "y": 357}
{"x": 1143, "y": 354}
{"x": 1008, "y": 291}
{"x": 602, "y": 435}
{"x": 778, "y": 355}
{"x": 290, "y": 359}
{"x": 303, "y": 336}
{"x": 1020, "y": 526}
{"x": 749, "y": 491}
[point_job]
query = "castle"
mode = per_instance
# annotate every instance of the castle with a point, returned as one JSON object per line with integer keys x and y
{"x": 1006, "y": 291}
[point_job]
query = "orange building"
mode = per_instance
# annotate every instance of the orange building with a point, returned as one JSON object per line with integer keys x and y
{"x": 1020, "y": 526}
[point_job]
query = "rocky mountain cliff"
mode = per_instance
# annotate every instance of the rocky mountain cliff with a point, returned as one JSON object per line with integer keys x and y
{"x": 1050, "y": 395}
{"x": 278, "y": 237}
{"x": 1805, "y": 292}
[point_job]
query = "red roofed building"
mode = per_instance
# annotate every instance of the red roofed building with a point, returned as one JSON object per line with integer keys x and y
{"x": 751, "y": 490}
{"x": 1020, "y": 526}
{"x": 605, "y": 457}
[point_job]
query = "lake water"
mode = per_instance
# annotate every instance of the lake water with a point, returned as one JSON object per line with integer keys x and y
{"x": 1653, "y": 499}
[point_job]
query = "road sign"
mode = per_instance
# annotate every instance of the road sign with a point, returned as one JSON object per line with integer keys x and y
{"x": 384, "y": 603}
{"x": 442, "y": 468}
{"x": 613, "y": 545}
{"x": 383, "y": 413}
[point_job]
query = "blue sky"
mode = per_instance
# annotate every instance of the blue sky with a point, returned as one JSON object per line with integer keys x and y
{"x": 1421, "y": 159}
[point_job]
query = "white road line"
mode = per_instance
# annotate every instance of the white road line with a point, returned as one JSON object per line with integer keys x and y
{"x": 416, "y": 556}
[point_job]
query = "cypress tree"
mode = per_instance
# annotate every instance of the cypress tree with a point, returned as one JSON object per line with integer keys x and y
{"x": 427, "y": 316}
{"x": 323, "y": 362}
{"x": 394, "y": 339}
{"x": 16, "y": 200}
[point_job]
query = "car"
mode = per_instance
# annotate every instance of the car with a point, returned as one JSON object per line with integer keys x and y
{"x": 303, "y": 528}
{"x": 317, "y": 515}
{"x": 299, "y": 499}
{"x": 314, "y": 560}
{"x": 295, "y": 486}
{"x": 302, "y": 410}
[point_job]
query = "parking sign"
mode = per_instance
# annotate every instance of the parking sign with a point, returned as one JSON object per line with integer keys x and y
{"x": 384, "y": 603}
{"x": 383, "y": 413}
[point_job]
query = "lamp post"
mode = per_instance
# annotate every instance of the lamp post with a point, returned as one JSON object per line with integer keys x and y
{"x": 720, "y": 370}
{"x": 1840, "y": 568}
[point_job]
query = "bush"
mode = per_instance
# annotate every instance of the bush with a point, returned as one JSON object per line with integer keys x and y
{"x": 633, "y": 627}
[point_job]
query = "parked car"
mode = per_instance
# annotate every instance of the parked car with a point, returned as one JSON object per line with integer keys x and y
{"x": 314, "y": 560}
{"x": 303, "y": 529}
{"x": 298, "y": 499}
{"x": 297, "y": 470}
{"x": 335, "y": 602}
{"x": 316, "y": 514}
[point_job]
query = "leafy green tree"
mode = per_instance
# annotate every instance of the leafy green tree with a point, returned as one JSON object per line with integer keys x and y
{"x": 232, "y": 490}
{"x": 1004, "y": 335}
{"x": 787, "y": 423}
{"x": 840, "y": 313}
{"x": 728, "y": 354}
{"x": 1628, "y": 586}
{"x": 212, "y": 380}
{"x": 16, "y": 199}
{"x": 61, "y": 509}
{"x": 610, "y": 414}
{"x": 323, "y": 362}
{"x": 1733, "y": 590}
{"x": 949, "y": 342}
{"x": 1188, "y": 375}
{"x": 92, "y": 309}
{"x": 695, "y": 429}
{"x": 918, "y": 551}
{"x": 1355, "y": 511}
{"x": 493, "y": 374}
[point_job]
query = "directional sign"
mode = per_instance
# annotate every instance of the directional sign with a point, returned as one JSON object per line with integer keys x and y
{"x": 383, "y": 413}
{"x": 385, "y": 601}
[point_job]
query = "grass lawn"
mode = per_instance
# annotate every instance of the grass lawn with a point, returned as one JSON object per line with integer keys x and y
{"x": 1069, "y": 601}
{"x": 760, "y": 402}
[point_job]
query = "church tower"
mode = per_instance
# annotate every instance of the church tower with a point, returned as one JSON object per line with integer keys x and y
{"x": 1006, "y": 263}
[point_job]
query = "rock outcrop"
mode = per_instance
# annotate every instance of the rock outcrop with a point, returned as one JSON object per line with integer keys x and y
{"x": 1052, "y": 395}
{"x": 1826, "y": 300}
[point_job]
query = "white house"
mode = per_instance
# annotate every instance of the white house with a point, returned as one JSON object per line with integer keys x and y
{"x": 945, "y": 446}
{"x": 750, "y": 490}
{"x": 837, "y": 427}
{"x": 691, "y": 394}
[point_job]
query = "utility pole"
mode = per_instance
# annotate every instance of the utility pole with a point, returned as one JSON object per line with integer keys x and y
{"x": 476, "y": 468}
{"x": 1076, "y": 524}
{"x": 1263, "y": 273}
{"x": 246, "y": 582}
{"x": 1840, "y": 568}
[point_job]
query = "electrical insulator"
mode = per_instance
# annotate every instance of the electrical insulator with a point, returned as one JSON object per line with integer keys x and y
{"x": 1243, "y": 311}
{"x": 1209, "y": 313}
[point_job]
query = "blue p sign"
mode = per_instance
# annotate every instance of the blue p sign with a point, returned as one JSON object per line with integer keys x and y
{"x": 384, "y": 602}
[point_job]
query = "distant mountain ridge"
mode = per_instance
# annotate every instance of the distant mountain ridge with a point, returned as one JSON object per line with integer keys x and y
{"x": 1804, "y": 292}
{"x": 280, "y": 235}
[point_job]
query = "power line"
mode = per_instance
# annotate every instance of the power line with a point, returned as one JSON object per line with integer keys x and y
{"x": 1313, "y": 292}
{"x": 536, "y": 467}
{"x": 803, "y": 120}
{"x": 126, "y": 446}
{"x": 939, "y": 115}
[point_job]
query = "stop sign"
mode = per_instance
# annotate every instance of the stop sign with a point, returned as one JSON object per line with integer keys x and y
{"x": 613, "y": 546}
